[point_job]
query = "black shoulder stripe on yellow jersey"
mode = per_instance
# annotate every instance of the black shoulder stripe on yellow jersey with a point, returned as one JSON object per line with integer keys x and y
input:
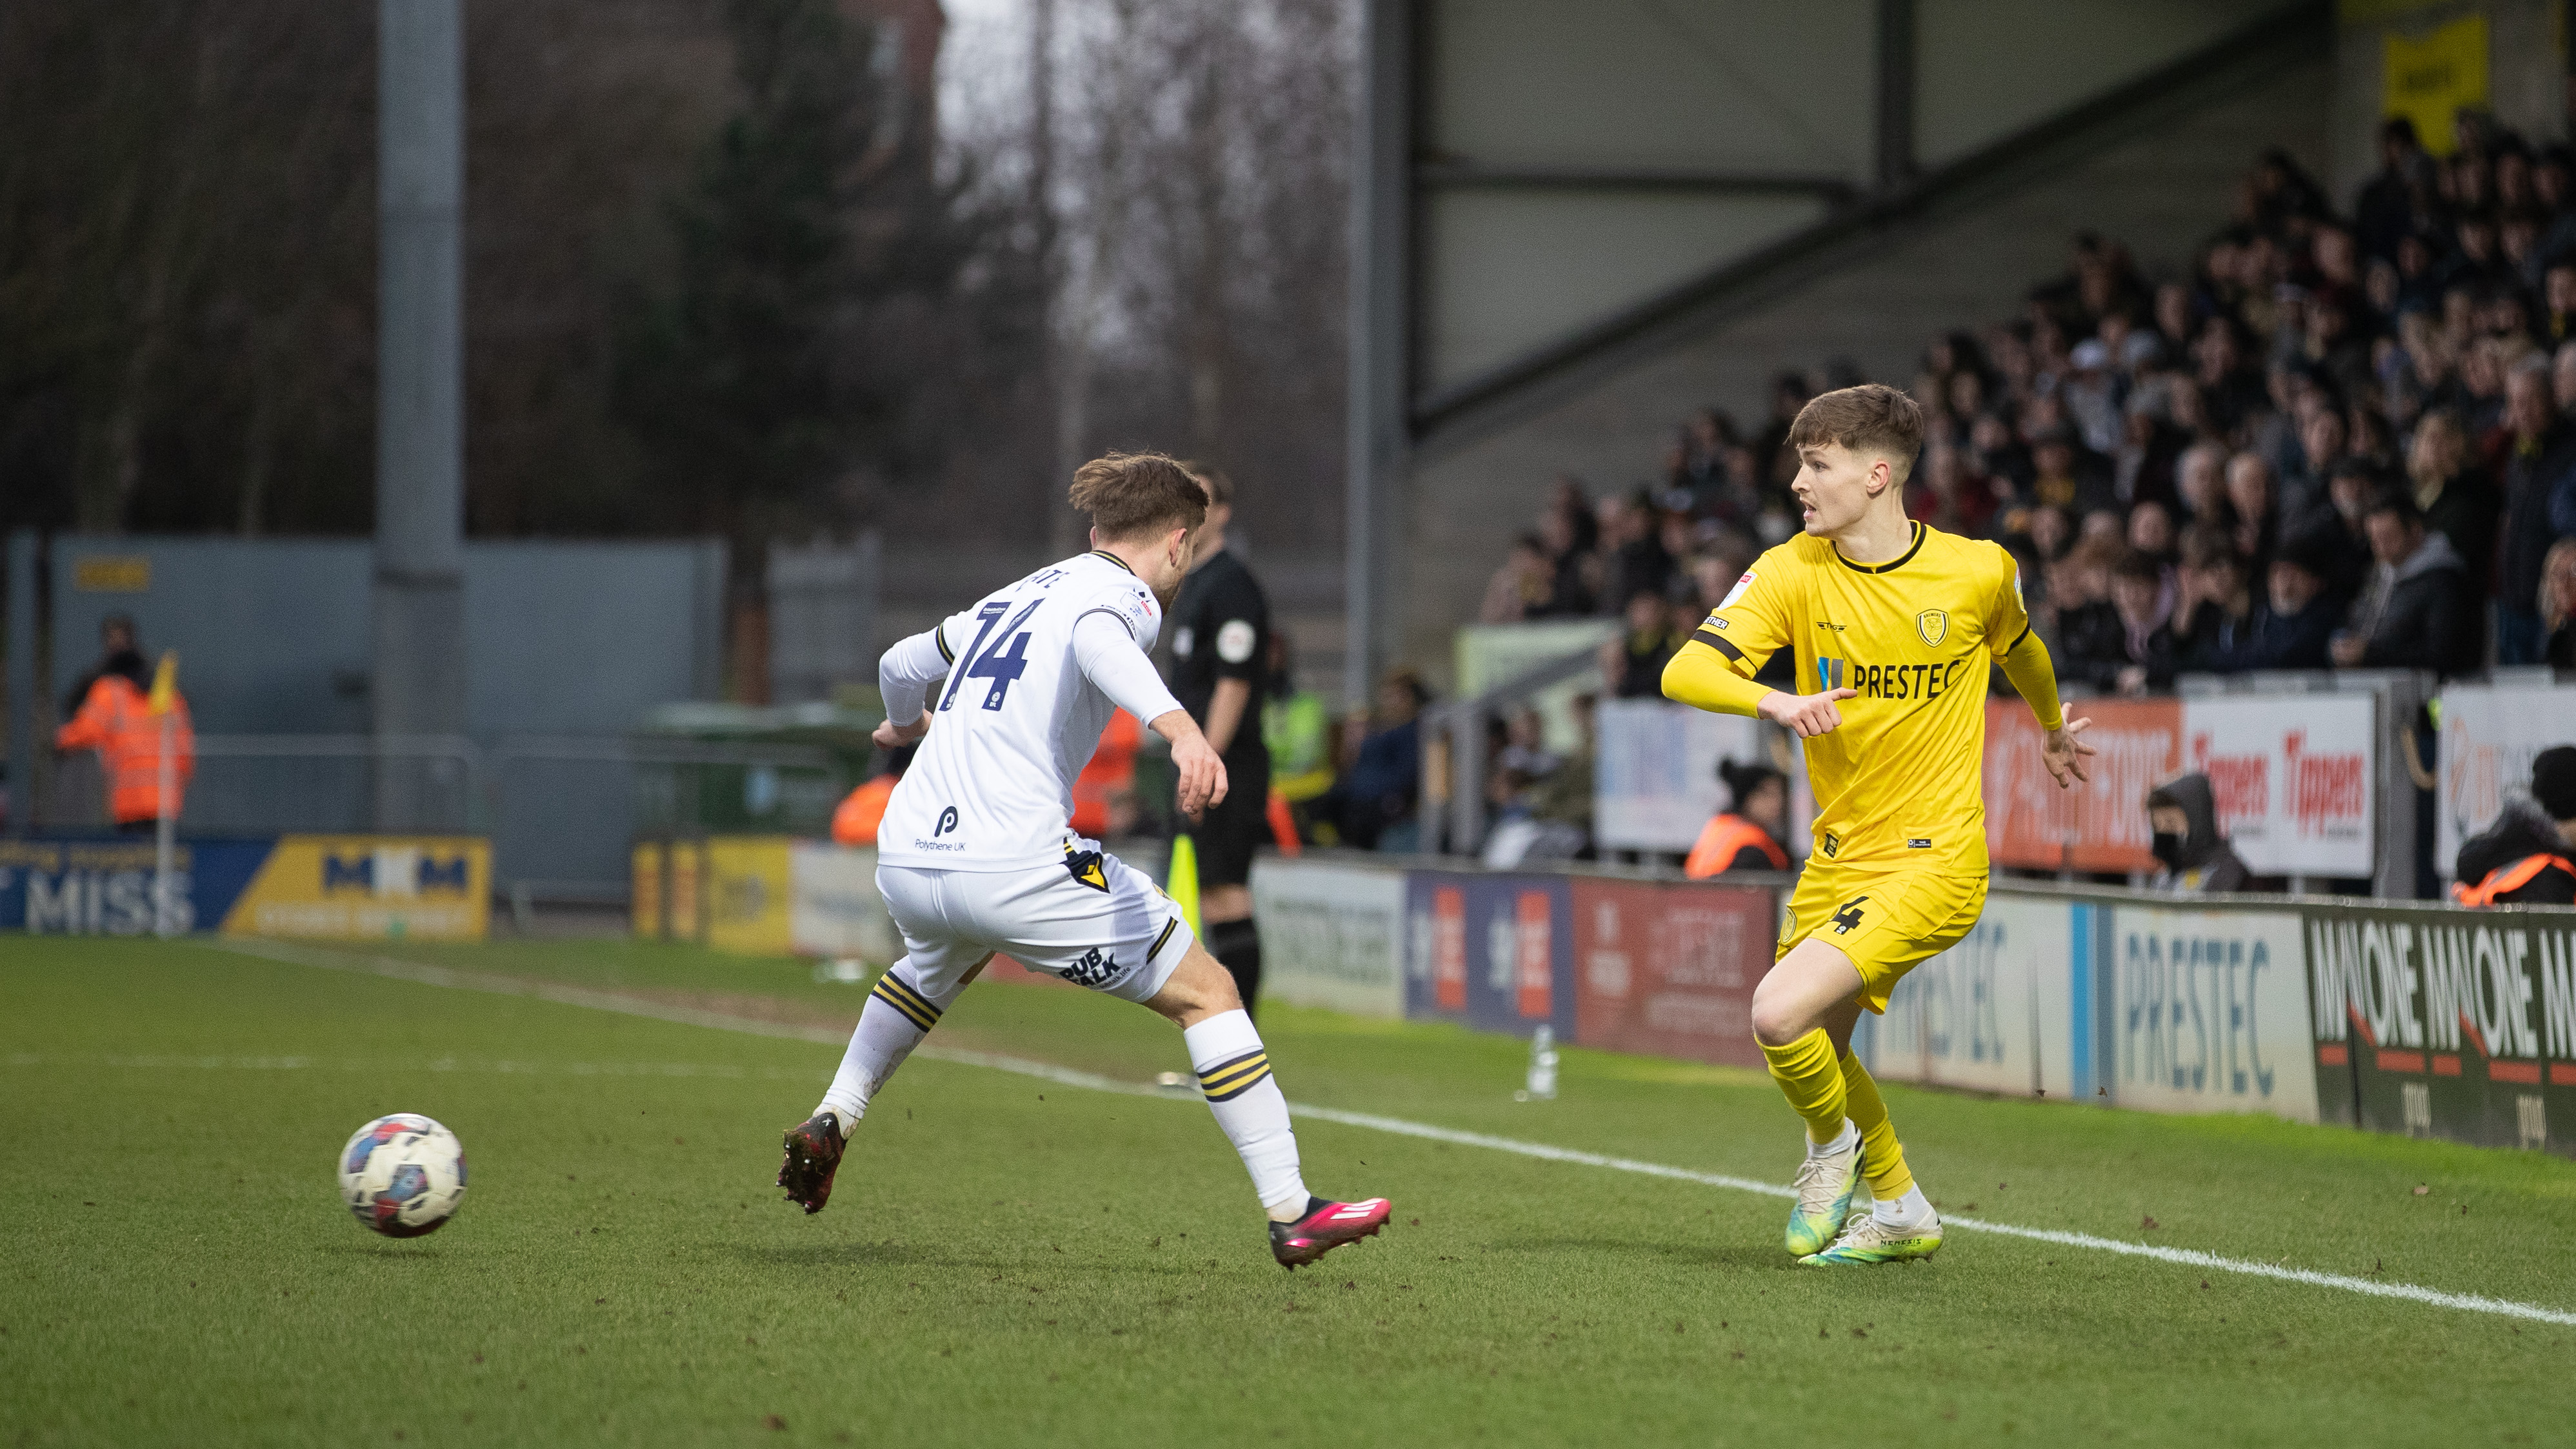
{"x": 1113, "y": 558}
{"x": 1717, "y": 641}
{"x": 1892, "y": 565}
{"x": 2017, "y": 638}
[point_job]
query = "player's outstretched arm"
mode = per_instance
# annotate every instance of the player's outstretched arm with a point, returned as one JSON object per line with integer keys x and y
{"x": 1109, "y": 657}
{"x": 2028, "y": 666}
{"x": 1703, "y": 679}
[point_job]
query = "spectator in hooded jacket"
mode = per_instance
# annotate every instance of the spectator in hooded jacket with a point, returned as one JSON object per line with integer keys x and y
{"x": 2528, "y": 856}
{"x": 2541, "y": 457}
{"x": 2416, "y": 613}
{"x": 2183, "y": 816}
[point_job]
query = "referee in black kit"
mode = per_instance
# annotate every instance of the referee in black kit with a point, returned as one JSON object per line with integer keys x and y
{"x": 1220, "y": 640}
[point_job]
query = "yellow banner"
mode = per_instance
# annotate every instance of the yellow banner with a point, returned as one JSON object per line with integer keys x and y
{"x": 2432, "y": 79}
{"x": 369, "y": 887}
{"x": 747, "y": 895}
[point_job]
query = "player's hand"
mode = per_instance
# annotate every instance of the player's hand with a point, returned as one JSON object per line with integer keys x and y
{"x": 1202, "y": 774}
{"x": 1809, "y": 714}
{"x": 892, "y": 736}
{"x": 2064, "y": 753}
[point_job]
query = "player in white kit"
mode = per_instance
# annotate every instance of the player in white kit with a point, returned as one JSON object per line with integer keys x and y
{"x": 976, "y": 855}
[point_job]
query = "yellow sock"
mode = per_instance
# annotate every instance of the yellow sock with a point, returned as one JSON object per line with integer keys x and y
{"x": 1882, "y": 1159}
{"x": 1810, "y": 1079}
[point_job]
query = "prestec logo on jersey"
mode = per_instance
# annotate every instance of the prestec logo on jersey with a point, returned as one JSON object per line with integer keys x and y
{"x": 1913, "y": 682}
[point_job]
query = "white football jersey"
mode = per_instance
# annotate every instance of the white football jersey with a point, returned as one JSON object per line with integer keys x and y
{"x": 1013, "y": 723}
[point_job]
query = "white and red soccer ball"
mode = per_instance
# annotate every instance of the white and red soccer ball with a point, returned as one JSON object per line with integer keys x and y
{"x": 403, "y": 1175}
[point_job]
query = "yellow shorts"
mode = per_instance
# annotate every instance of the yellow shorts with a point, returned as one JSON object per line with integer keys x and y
{"x": 1887, "y": 921}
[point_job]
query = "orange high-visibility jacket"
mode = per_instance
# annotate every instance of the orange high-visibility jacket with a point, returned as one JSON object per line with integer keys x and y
{"x": 855, "y": 823}
{"x": 1112, "y": 769}
{"x": 1722, "y": 838}
{"x": 2506, "y": 878}
{"x": 117, "y": 721}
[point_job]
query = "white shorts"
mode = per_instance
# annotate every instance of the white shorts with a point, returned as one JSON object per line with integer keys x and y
{"x": 1096, "y": 921}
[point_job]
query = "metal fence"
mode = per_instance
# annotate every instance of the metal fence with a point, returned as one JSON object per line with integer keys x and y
{"x": 563, "y": 812}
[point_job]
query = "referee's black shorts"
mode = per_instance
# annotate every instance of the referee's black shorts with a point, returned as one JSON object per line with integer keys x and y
{"x": 1228, "y": 833}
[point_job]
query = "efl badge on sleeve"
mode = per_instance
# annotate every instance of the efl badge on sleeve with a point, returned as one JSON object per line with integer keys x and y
{"x": 1933, "y": 625}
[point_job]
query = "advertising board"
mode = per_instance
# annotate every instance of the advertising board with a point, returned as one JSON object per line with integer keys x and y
{"x": 833, "y": 908}
{"x": 1668, "y": 969}
{"x": 1655, "y": 783}
{"x": 1495, "y": 952}
{"x": 2453, "y": 1024}
{"x": 328, "y": 887}
{"x": 2489, "y": 735}
{"x": 1994, "y": 1013}
{"x": 2292, "y": 777}
{"x": 2100, "y": 825}
{"x": 1331, "y": 935}
{"x": 2204, "y": 1011}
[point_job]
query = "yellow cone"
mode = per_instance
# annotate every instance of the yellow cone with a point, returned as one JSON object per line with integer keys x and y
{"x": 1182, "y": 882}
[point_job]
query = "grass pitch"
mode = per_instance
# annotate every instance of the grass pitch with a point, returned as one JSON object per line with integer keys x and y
{"x": 1009, "y": 1260}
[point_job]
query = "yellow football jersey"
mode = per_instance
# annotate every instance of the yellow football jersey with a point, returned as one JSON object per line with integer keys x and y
{"x": 1900, "y": 782}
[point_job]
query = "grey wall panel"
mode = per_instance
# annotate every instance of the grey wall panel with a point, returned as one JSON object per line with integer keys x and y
{"x": 2162, "y": 194}
{"x": 577, "y": 638}
{"x": 1648, "y": 83}
{"x": 1988, "y": 68}
{"x": 272, "y": 634}
{"x": 1511, "y": 270}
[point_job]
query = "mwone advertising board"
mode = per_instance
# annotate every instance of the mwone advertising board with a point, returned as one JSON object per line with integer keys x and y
{"x": 2488, "y": 738}
{"x": 1656, "y": 780}
{"x": 2453, "y": 1024}
{"x": 1994, "y": 1013}
{"x": 1495, "y": 952}
{"x": 1669, "y": 969}
{"x": 1331, "y": 935}
{"x": 333, "y": 887}
{"x": 2204, "y": 1011}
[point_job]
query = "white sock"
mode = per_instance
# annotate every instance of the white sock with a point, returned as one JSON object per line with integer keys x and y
{"x": 1842, "y": 1141}
{"x": 1234, "y": 1071}
{"x": 898, "y": 1015}
{"x": 1913, "y": 1210}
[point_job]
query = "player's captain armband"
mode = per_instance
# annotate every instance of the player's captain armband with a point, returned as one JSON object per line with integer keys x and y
{"x": 1737, "y": 592}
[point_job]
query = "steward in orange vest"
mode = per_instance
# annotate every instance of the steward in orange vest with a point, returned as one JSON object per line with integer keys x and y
{"x": 856, "y": 821}
{"x": 2528, "y": 856}
{"x": 115, "y": 718}
{"x": 1737, "y": 839}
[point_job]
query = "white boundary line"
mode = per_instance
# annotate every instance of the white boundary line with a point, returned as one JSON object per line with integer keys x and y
{"x": 1091, "y": 1081}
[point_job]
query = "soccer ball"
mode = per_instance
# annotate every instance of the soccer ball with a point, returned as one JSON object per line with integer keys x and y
{"x": 403, "y": 1175}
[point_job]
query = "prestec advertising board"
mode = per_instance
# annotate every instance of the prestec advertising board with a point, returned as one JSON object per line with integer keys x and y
{"x": 2452, "y": 1024}
{"x": 2202, "y": 1011}
{"x": 1668, "y": 969}
{"x": 1494, "y": 952}
{"x": 1994, "y": 1013}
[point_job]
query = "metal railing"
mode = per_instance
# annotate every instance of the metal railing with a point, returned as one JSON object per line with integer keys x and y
{"x": 563, "y": 811}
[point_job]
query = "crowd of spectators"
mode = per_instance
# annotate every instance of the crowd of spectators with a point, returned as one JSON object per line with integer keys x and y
{"x": 2339, "y": 440}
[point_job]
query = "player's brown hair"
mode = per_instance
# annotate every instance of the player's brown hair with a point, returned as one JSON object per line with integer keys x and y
{"x": 1133, "y": 494}
{"x": 1870, "y": 418}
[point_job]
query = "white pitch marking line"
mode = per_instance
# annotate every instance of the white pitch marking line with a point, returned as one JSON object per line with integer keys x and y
{"x": 1067, "y": 1076}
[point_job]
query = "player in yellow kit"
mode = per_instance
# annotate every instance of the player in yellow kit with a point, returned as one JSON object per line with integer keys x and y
{"x": 1895, "y": 625}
